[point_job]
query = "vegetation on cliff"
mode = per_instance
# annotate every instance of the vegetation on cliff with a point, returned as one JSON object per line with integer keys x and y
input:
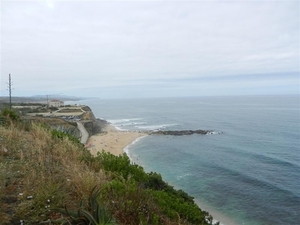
{"x": 48, "y": 177}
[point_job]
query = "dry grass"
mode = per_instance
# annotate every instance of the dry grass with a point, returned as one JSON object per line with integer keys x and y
{"x": 38, "y": 173}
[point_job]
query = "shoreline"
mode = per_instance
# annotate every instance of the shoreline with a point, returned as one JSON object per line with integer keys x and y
{"x": 112, "y": 140}
{"x": 117, "y": 142}
{"x": 126, "y": 149}
{"x": 217, "y": 215}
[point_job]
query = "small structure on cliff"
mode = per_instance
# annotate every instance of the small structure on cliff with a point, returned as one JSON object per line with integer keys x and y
{"x": 55, "y": 103}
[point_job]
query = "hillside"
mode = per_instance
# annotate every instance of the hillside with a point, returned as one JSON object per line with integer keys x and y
{"x": 46, "y": 175}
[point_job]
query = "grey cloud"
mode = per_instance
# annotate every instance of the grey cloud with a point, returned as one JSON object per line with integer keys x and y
{"x": 120, "y": 43}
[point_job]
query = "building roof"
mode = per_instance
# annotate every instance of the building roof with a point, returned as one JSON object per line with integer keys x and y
{"x": 55, "y": 100}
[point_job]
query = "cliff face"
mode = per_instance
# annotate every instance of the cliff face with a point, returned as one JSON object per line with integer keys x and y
{"x": 89, "y": 121}
{"x": 54, "y": 123}
{"x": 91, "y": 124}
{"x": 92, "y": 127}
{"x": 88, "y": 115}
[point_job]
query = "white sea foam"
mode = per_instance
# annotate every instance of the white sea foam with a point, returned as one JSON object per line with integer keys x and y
{"x": 182, "y": 176}
{"x": 155, "y": 127}
{"x": 214, "y": 132}
{"x": 120, "y": 129}
{"x": 121, "y": 121}
{"x": 133, "y": 123}
{"x": 215, "y": 221}
{"x": 126, "y": 149}
{"x": 217, "y": 216}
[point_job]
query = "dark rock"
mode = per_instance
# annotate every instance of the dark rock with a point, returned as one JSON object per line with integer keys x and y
{"x": 180, "y": 132}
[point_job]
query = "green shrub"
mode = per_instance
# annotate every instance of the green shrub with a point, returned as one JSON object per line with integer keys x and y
{"x": 131, "y": 178}
{"x": 90, "y": 212}
{"x": 130, "y": 203}
{"x": 8, "y": 116}
{"x": 121, "y": 165}
{"x": 175, "y": 206}
{"x": 62, "y": 135}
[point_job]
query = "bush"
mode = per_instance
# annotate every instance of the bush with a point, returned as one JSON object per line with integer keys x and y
{"x": 131, "y": 178}
{"x": 8, "y": 115}
{"x": 120, "y": 165}
{"x": 130, "y": 203}
{"x": 62, "y": 135}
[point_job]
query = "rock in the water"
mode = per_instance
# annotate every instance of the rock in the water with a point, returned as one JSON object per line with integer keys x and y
{"x": 181, "y": 132}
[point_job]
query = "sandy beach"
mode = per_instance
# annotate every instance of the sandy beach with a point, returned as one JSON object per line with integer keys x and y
{"x": 112, "y": 140}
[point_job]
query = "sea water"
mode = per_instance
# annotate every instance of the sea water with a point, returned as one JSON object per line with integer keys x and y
{"x": 249, "y": 173}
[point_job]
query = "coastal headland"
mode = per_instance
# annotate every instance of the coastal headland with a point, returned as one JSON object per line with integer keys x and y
{"x": 96, "y": 134}
{"x": 85, "y": 175}
{"x": 60, "y": 174}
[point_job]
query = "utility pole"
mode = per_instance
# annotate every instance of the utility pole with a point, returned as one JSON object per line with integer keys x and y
{"x": 9, "y": 90}
{"x": 47, "y": 102}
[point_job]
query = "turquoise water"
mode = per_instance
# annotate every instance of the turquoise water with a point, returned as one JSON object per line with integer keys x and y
{"x": 249, "y": 173}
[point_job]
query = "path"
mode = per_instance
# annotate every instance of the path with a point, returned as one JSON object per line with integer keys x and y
{"x": 84, "y": 133}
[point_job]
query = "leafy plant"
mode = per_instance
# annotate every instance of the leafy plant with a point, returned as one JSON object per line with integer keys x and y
{"x": 121, "y": 165}
{"x": 62, "y": 135}
{"x": 67, "y": 129}
{"x": 90, "y": 212}
{"x": 173, "y": 203}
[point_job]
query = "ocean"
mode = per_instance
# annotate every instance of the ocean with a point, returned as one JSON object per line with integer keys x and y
{"x": 248, "y": 174}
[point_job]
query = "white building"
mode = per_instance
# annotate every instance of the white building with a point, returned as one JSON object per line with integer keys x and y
{"x": 55, "y": 103}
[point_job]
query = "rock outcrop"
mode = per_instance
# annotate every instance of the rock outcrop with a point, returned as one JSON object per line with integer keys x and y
{"x": 181, "y": 132}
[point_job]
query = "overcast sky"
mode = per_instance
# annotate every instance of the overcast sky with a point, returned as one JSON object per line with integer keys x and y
{"x": 114, "y": 49}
